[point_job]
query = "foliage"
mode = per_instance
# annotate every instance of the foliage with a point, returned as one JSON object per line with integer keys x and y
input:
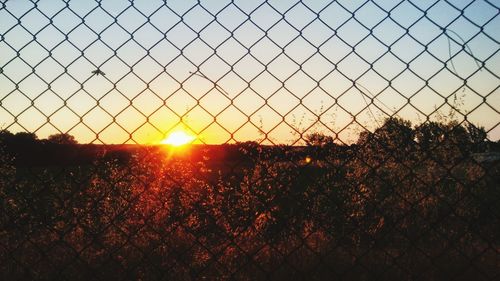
{"x": 400, "y": 192}
{"x": 62, "y": 139}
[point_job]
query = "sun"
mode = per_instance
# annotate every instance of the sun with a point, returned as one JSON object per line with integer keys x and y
{"x": 178, "y": 138}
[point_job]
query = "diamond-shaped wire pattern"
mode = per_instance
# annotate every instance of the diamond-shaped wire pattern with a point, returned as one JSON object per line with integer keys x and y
{"x": 334, "y": 140}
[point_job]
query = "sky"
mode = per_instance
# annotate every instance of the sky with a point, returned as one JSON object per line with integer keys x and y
{"x": 230, "y": 71}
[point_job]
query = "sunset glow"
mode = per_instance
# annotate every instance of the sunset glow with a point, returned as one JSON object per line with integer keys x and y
{"x": 271, "y": 72}
{"x": 178, "y": 138}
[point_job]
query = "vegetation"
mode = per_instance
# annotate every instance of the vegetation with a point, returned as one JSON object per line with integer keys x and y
{"x": 62, "y": 139}
{"x": 403, "y": 203}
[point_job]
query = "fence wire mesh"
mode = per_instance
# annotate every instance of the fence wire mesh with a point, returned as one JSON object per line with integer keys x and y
{"x": 328, "y": 140}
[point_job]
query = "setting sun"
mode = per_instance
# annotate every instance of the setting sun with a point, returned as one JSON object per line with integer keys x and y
{"x": 178, "y": 138}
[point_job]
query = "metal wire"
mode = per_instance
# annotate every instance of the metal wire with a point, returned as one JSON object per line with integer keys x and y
{"x": 366, "y": 140}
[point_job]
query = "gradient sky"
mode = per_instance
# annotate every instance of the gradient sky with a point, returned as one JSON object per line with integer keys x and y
{"x": 287, "y": 67}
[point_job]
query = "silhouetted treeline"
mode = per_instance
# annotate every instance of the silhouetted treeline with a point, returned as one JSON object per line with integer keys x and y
{"x": 402, "y": 203}
{"x": 395, "y": 134}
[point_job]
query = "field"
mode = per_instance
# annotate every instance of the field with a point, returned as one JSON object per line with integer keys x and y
{"x": 385, "y": 208}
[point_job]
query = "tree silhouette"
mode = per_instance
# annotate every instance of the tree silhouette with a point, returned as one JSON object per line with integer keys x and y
{"x": 477, "y": 137}
{"x": 62, "y": 139}
{"x": 394, "y": 139}
{"x": 319, "y": 139}
{"x": 24, "y": 136}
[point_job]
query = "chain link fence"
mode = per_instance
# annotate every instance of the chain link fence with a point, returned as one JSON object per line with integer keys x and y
{"x": 330, "y": 140}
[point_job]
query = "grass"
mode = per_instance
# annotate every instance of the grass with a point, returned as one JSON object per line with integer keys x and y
{"x": 372, "y": 211}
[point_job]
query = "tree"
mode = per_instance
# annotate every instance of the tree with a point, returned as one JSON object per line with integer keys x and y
{"x": 477, "y": 136}
{"x": 6, "y": 136}
{"x": 320, "y": 146}
{"x": 447, "y": 141}
{"x": 429, "y": 134}
{"x": 24, "y": 139}
{"x": 395, "y": 132}
{"x": 62, "y": 139}
{"x": 319, "y": 139}
{"x": 394, "y": 138}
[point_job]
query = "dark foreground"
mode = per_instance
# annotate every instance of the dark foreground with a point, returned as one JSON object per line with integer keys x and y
{"x": 383, "y": 209}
